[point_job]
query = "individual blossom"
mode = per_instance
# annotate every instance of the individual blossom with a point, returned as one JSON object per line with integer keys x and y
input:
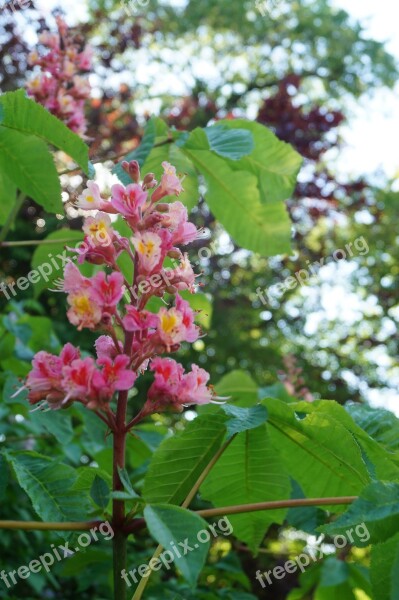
{"x": 176, "y": 325}
{"x": 114, "y": 376}
{"x": 107, "y": 290}
{"x": 170, "y": 184}
{"x": 106, "y": 347}
{"x": 176, "y": 219}
{"x": 83, "y": 312}
{"x": 139, "y": 320}
{"x": 129, "y": 202}
{"x": 151, "y": 249}
{"x": 91, "y": 199}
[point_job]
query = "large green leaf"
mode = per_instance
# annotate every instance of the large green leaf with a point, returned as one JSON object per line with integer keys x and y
{"x": 177, "y": 528}
{"x": 384, "y": 569}
{"x": 275, "y": 163}
{"x": 180, "y": 460}
{"x": 381, "y": 463}
{"x": 229, "y": 143}
{"x": 22, "y": 114}
{"x": 234, "y": 198}
{"x": 250, "y": 470}
{"x": 317, "y": 450}
{"x": 48, "y": 485}
{"x": 377, "y": 508}
{"x": 243, "y": 419}
{"x": 30, "y": 166}
{"x": 380, "y": 424}
{"x": 49, "y": 258}
{"x": 8, "y": 192}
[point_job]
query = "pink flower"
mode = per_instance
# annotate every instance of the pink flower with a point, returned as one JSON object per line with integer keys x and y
{"x": 77, "y": 379}
{"x": 194, "y": 387}
{"x": 177, "y": 324}
{"x": 83, "y": 311}
{"x": 183, "y": 232}
{"x": 151, "y": 250}
{"x": 170, "y": 183}
{"x": 107, "y": 290}
{"x": 105, "y": 347}
{"x": 129, "y": 201}
{"x": 44, "y": 382}
{"x": 174, "y": 389}
{"x": 91, "y": 199}
{"x": 139, "y": 320}
{"x": 74, "y": 281}
{"x": 115, "y": 374}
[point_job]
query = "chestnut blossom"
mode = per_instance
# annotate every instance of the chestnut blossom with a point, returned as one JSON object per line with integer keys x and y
{"x": 130, "y": 336}
{"x": 58, "y": 86}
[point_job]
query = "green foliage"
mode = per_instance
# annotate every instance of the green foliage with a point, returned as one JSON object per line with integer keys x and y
{"x": 250, "y": 470}
{"x": 244, "y": 419}
{"x": 49, "y": 486}
{"x": 180, "y": 460}
{"x": 171, "y": 526}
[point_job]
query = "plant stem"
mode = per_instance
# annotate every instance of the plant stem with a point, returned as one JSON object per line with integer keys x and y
{"x": 246, "y": 508}
{"x": 20, "y": 199}
{"x": 118, "y": 508}
{"x": 33, "y": 242}
{"x": 40, "y": 526}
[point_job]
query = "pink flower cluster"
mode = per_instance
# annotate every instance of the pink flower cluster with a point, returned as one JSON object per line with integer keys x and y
{"x": 132, "y": 338}
{"x": 59, "y": 86}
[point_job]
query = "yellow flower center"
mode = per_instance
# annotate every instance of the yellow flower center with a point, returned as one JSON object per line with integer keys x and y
{"x": 169, "y": 322}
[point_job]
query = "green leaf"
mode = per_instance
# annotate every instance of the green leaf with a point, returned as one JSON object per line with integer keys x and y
{"x": 8, "y": 193}
{"x": 275, "y": 163}
{"x": 48, "y": 484}
{"x": 380, "y": 424}
{"x": 233, "y": 197}
{"x": 30, "y": 166}
{"x": 58, "y": 423}
{"x": 100, "y": 492}
{"x": 48, "y": 260}
{"x": 27, "y": 116}
{"x": 244, "y": 418}
{"x": 180, "y": 460}
{"x": 229, "y": 143}
{"x": 129, "y": 493}
{"x": 140, "y": 153}
{"x": 384, "y": 569}
{"x": 250, "y": 470}
{"x": 333, "y": 572}
{"x": 171, "y": 526}
{"x": 239, "y": 387}
{"x": 377, "y": 508}
{"x": 311, "y": 454}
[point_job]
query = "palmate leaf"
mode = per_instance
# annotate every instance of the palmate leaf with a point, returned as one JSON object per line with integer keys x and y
{"x": 180, "y": 460}
{"x": 26, "y": 116}
{"x": 229, "y": 143}
{"x": 377, "y": 508}
{"x": 233, "y": 197}
{"x": 317, "y": 451}
{"x": 239, "y": 387}
{"x": 172, "y": 525}
{"x": 8, "y": 192}
{"x": 30, "y": 166}
{"x": 250, "y": 470}
{"x": 48, "y": 485}
{"x": 378, "y": 423}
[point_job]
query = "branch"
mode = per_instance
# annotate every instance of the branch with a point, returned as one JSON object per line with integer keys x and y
{"x": 41, "y": 526}
{"x": 246, "y": 508}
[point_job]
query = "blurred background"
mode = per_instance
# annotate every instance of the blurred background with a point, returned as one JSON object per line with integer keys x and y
{"x": 323, "y": 75}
